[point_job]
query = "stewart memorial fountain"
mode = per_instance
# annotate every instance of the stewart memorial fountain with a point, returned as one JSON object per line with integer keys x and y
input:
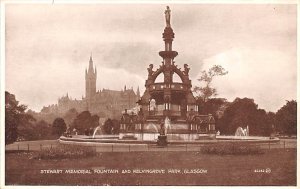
{"x": 167, "y": 111}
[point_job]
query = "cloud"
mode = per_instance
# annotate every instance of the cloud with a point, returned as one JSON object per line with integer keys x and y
{"x": 254, "y": 73}
{"x": 133, "y": 57}
{"x": 48, "y": 47}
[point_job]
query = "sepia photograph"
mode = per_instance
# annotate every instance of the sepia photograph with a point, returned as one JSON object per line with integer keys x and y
{"x": 150, "y": 93}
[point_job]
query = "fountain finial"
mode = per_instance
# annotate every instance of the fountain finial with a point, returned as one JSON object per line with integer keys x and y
{"x": 168, "y": 16}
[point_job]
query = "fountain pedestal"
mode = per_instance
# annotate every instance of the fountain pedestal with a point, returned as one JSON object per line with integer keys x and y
{"x": 162, "y": 140}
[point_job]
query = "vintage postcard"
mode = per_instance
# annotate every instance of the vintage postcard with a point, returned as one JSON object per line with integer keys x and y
{"x": 150, "y": 93}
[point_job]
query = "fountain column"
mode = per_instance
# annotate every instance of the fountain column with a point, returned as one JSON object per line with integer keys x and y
{"x": 168, "y": 56}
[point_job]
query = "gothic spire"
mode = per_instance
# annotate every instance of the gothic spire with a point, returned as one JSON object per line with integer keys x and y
{"x": 91, "y": 64}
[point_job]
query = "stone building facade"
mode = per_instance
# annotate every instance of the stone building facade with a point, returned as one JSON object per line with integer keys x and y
{"x": 105, "y": 103}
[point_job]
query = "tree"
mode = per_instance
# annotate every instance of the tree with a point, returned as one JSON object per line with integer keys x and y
{"x": 115, "y": 127}
{"x": 242, "y": 113}
{"x": 214, "y": 106}
{"x": 270, "y": 127}
{"x": 27, "y": 131}
{"x": 207, "y": 90}
{"x": 108, "y": 126}
{"x": 85, "y": 121}
{"x": 14, "y": 117}
{"x": 45, "y": 110}
{"x": 260, "y": 124}
{"x": 286, "y": 118}
{"x": 43, "y": 130}
{"x": 70, "y": 115}
{"x": 35, "y": 130}
{"x": 237, "y": 115}
{"x": 59, "y": 126}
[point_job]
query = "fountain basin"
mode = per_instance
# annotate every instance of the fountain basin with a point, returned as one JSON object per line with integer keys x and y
{"x": 86, "y": 140}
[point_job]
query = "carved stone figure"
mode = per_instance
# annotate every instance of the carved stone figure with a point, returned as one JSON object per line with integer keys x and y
{"x": 186, "y": 69}
{"x": 150, "y": 69}
{"x": 168, "y": 16}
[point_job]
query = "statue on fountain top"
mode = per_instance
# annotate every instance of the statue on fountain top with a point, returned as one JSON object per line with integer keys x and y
{"x": 168, "y": 17}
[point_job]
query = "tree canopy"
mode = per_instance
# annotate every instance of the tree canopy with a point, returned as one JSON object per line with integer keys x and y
{"x": 59, "y": 126}
{"x": 70, "y": 115}
{"x": 111, "y": 126}
{"x": 286, "y": 118}
{"x": 14, "y": 117}
{"x": 85, "y": 121}
{"x": 206, "y": 77}
{"x": 242, "y": 113}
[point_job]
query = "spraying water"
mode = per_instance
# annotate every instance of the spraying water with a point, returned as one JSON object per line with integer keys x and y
{"x": 96, "y": 129}
{"x": 151, "y": 125}
{"x": 242, "y": 132}
{"x": 167, "y": 124}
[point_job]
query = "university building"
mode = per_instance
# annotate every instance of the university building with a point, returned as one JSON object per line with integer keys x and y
{"x": 106, "y": 103}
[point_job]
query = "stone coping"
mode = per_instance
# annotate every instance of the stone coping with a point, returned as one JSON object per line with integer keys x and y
{"x": 209, "y": 141}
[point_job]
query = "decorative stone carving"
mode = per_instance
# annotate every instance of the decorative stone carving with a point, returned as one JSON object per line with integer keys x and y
{"x": 186, "y": 69}
{"x": 168, "y": 16}
{"x": 150, "y": 69}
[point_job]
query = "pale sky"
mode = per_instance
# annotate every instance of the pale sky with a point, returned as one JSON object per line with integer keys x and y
{"x": 48, "y": 48}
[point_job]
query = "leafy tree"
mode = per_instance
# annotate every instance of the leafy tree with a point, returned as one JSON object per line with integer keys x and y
{"x": 214, "y": 106}
{"x": 111, "y": 126}
{"x": 59, "y": 126}
{"x": 37, "y": 130}
{"x": 286, "y": 118}
{"x": 14, "y": 117}
{"x": 45, "y": 110}
{"x": 70, "y": 115}
{"x": 242, "y": 113}
{"x": 237, "y": 115}
{"x": 260, "y": 124}
{"x": 85, "y": 121}
{"x": 94, "y": 121}
{"x": 207, "y": 90}
{"x": 270, "y": 127}
{"x": 43, "y": 129}
{"x": 108, "y": 126}
{"x": 27, "y": 131}
{"x": 47, "y": 117}
{"x": 116, "y": 126}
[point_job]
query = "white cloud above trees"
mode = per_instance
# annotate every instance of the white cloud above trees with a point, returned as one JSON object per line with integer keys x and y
{"x": 48, "y": 48}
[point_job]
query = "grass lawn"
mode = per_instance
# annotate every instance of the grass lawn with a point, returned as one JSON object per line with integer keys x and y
{"x": 21, "y": 169}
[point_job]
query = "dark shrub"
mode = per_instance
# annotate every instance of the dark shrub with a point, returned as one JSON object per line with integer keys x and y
{"x": 66, "y": 151}
{"x": 59, "y": 126}
{"x": 231, "y": 148}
